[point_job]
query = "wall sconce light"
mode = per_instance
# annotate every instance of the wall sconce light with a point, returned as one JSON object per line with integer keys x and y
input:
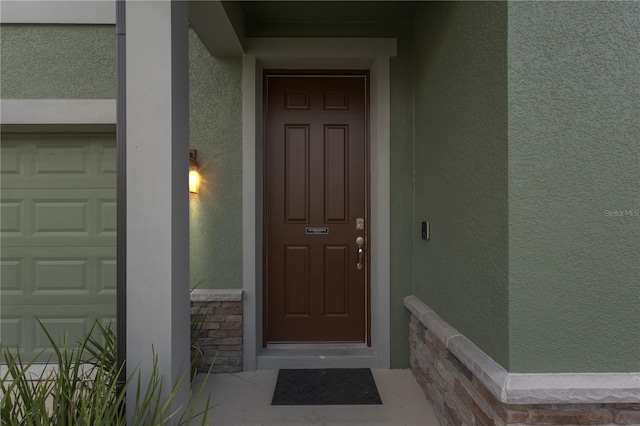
{"x": 194, "y": 177}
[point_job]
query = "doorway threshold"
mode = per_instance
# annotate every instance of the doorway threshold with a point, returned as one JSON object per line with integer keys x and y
{"x": 313, "y": 355}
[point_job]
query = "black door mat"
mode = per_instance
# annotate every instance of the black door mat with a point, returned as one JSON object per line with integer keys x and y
{"x": 330, "y": 386}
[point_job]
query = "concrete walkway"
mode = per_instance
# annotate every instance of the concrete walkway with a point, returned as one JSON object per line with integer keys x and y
{"x": 244, "y": 399}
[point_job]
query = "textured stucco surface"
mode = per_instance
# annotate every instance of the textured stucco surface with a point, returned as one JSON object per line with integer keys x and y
{"x": 574, "y": 128}
{"x": 402, "y": 226}
{"x": 535, "y": 241}
{"x": 401, "y": 159}
{"x": 461, "y": 168}
{"x": 215, "y": 101}
{"x": 58, "y": 61}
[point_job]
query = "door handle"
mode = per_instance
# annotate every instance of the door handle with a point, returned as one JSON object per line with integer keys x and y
{"x": 360, "y": 244}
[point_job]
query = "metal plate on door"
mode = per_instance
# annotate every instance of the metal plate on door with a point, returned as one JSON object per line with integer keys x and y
{"x": 316, "y": 231}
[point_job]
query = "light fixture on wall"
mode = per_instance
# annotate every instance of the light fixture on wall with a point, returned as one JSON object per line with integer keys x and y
{"x": 194, "y": 177}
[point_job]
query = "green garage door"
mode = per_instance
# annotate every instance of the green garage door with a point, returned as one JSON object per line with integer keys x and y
{"x": 58, "y": 236}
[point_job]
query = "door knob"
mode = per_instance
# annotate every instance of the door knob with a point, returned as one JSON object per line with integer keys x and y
{"x": 360, "y": 244}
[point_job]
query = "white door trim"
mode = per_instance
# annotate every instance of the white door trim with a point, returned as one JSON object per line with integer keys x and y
{"x": 316, "y": 53}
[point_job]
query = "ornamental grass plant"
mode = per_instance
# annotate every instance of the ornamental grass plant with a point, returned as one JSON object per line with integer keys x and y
{"x": 82, "y": 388}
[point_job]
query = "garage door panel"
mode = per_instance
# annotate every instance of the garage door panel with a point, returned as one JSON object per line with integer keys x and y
{"x": 58, "y": 271}
{"x": 35, "y": 182}
{"x": 11, "y": 218}
{"x": 10, "y": 159}
{"x": 107, "y": 276}
{"x": 58, "y": 213}
{"x": 46, "y": 242}
{"x": 107, "y": 160}
{"x": 62, "y": 159}
{"x": 11, "y": 277}
{"x": 33, "y": 303}
{"x": 58, "y": 234}
{"x": 55, "y": 252}
{"x": 61, "y": 217}
{"x": 58, "y": 161}
{"x": 20, "y": 328}
{"x": 68, "y": 276}
{"x": 12, "y": 332}
{"x": 107, "y": 217}
{"x": 59, "y": 327}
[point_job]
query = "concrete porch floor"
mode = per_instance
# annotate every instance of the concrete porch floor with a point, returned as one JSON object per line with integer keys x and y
{"x": 244, "y": 399}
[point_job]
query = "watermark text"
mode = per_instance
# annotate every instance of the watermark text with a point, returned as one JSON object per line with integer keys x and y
{"x": 622, "y": 213}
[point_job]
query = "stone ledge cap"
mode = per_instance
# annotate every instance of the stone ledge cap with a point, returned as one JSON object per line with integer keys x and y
{"x": 528, "y": 388}
{"x": 415, "y": 306}
{"x": 490, "y": 373}
{"x": 573, "y": 388}
{"x": 216, "y": 295}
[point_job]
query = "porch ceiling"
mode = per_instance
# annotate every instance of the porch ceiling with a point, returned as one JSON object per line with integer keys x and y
{"x": 329, "y": 11}
{"x": 221, "y": 24}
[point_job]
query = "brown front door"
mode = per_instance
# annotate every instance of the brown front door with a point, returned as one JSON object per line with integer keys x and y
{"x": 316, "y": 190}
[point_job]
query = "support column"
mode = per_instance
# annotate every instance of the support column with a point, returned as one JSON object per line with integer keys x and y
{"x": 157, "y": 132}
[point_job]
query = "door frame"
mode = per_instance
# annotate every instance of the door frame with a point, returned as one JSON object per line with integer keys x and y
{"x": 367, "y": 184}
{"x": 316, "y": 53}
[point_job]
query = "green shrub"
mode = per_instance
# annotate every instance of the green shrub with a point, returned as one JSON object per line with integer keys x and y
{"x": 84, "y": 389}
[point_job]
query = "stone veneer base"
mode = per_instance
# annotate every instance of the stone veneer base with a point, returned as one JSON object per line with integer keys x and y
{"x": 220, "y": 339}
{"x": 465, "y": 386}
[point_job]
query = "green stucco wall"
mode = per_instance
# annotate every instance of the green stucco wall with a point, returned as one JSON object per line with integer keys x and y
{"x": 58, "y": 61}
{"x": 401, "y": 160}
{"x": 402, "y": 180}
{"x": 215, "y": 101}
{"x": 461, "y": 146}
{"x": 78, "y": 61}
{"x": 574, "y": 129}
{"x": 514, "y": 131}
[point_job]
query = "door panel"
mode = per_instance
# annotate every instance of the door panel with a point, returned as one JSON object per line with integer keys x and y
{"x": 296, "y": 281}
{"x": 336, "y": 174}
{"x": 297, "y": 173}
{"x": 336, "y": 280}
{"x": 315, "y": 189}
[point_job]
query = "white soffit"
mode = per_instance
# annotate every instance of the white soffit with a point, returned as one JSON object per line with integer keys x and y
{"x": 58, "y": 12}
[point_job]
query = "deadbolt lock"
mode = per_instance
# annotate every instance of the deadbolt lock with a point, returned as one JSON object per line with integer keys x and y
{"x": 360, "y": 224}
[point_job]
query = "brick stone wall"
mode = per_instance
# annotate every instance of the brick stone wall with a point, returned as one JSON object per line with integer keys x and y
{"x": 459, "y": 398}
{"x": 217, "y": 319}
